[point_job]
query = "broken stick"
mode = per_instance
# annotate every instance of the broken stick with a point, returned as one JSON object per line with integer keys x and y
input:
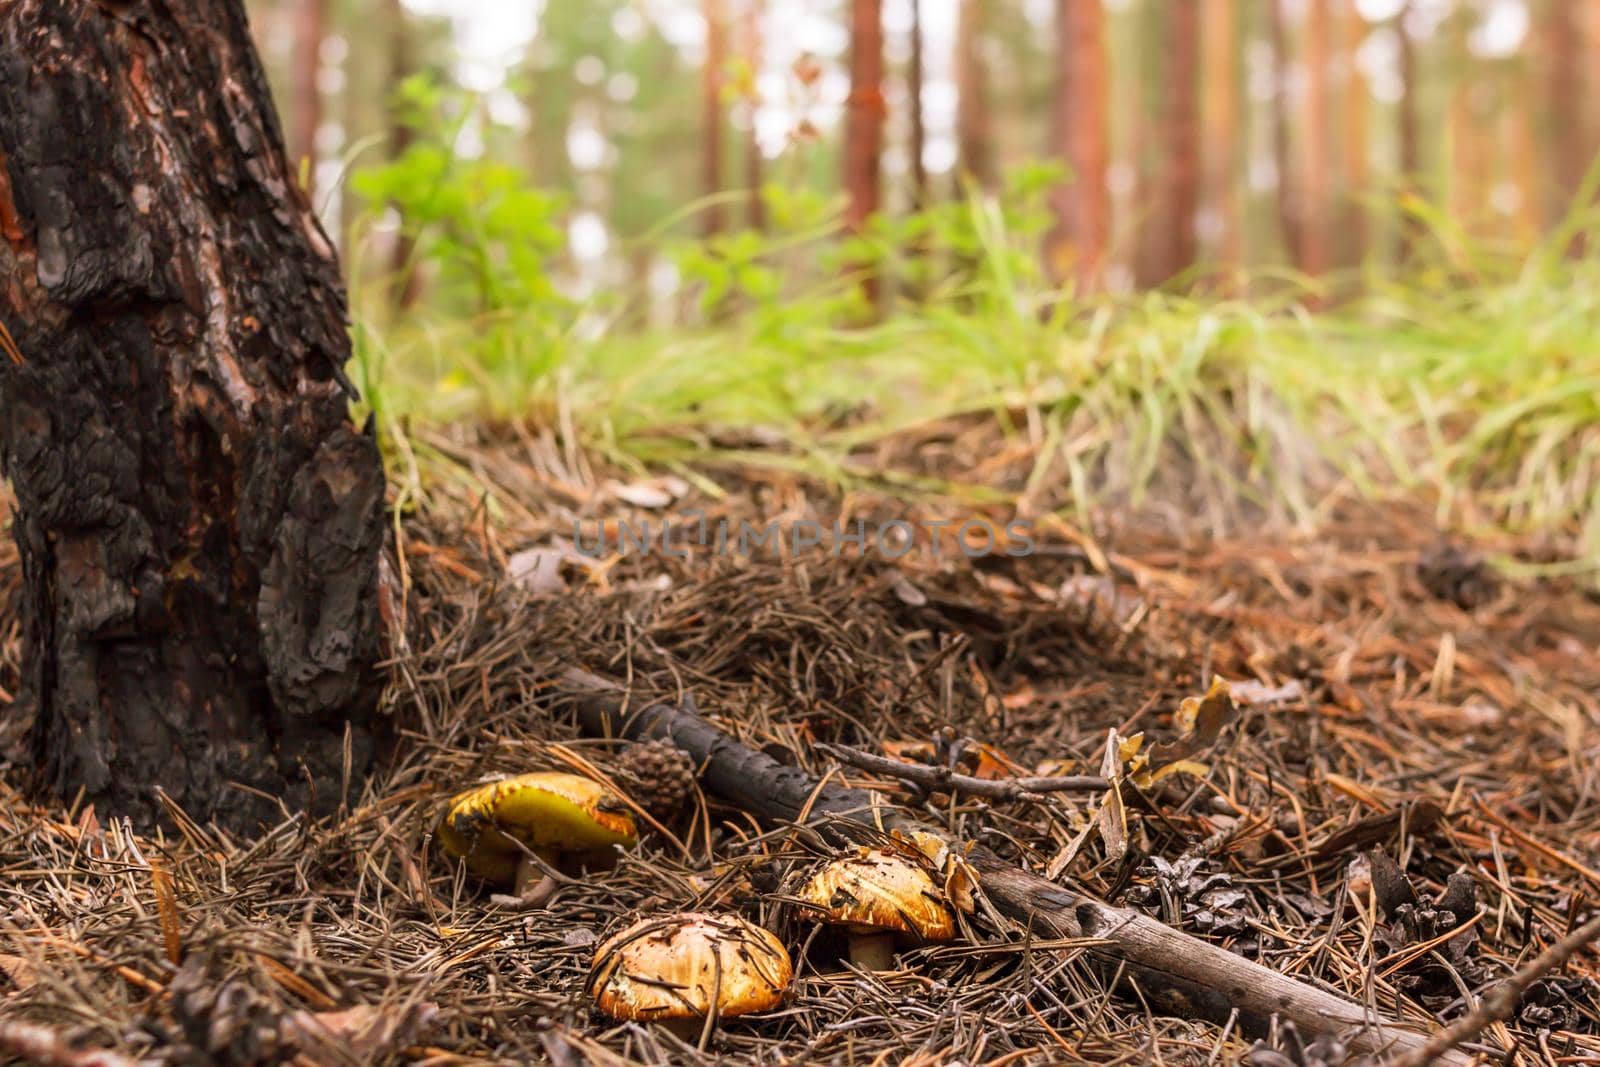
{"x": 1183, "y": 975}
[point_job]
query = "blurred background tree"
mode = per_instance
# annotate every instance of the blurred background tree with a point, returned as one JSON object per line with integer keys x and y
{"x": 1175, "y": 122}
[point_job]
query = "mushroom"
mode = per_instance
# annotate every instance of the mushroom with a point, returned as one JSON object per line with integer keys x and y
{"x": 498, "y": 829}
{"x": 877, "y": 895}
{"x": 686, "y": 971}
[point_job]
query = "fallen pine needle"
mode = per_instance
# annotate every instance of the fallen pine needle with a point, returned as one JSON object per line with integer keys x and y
{"x": 167, "y": 910}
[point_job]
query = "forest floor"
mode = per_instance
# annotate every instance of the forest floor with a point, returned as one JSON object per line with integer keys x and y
{"x": 1402, "y": 706}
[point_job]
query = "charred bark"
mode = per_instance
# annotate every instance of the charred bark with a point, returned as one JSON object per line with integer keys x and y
{"x": 199, "y": 523}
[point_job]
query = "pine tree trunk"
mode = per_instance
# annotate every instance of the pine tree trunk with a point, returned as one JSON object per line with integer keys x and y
{"x": 1076, "y": 247}
{"x": 755, "y": 207}
{"x": 711, "y": 114}
{"x": 407, "y": 281}
{"x": 864, "y": 117}
{"x": 1180, "y": 143}
{"x": 974, "y": 137}
{"x": 310, "y": 27}
{"x": 1409, "y": 134}
{"x": 1564, "y": 43}
{"x": 1289, "y": 204}
{"x": 1353, "y": 123}
{"x": 864, "y": 122}
{"x": 199, "y": 524}
{"x": 919, "y": 170}
{"x": 1220, "y": 100}
{"x": 1316, "y": 215}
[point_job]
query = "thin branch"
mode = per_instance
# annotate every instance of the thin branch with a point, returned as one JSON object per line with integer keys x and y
{"x": 1501, "y": 1001}
{"x": 944, "y": 780}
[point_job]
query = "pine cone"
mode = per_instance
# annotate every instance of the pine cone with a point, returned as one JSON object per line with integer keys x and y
{"x": 658, "y": 774}
{"x": 224, "y": 1021}
{"x": 1451, "y": 573}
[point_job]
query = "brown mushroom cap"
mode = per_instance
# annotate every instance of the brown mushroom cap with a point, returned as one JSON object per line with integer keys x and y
{"x": 674, "y": 967}
{"x": 553, "y": 811}
{"x": 875, "y": 889}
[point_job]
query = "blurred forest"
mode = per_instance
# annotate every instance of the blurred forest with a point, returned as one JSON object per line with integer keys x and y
{"x": 1251, "y": 249}
{"x": 1190, "y": 140}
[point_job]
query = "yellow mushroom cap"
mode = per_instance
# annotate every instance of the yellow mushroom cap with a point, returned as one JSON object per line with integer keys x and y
{"x": 547, "y": 810}
{"x": 672, "y": 966}
{"x": 875, "y": 889}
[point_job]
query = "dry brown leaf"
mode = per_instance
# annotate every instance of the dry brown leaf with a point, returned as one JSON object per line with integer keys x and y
{"x": 18, "y": 972}
{"x": 1199, "y": 720}
{"x": 993, "y": 764}
{"x": 364, "y": 1032}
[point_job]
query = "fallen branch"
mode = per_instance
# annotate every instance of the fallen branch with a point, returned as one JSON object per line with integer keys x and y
{"x": 1180, "y": 974}
{"x": 41, "y": 1045}
{"x": 931, "y": 779}
{"x": 1501, "y": 1001}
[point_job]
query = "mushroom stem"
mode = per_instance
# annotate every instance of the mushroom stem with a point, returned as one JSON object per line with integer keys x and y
{"x": 872, "y": 950}
{"x": 687, "y": 1029}
{"x": 534, "y": 885}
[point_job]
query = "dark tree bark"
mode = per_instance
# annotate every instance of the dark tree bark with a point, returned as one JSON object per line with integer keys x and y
{"x": 200, "y": 526}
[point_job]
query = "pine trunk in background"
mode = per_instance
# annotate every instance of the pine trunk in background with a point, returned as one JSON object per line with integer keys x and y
{"x": 919, "y": 170}
{"x": 310, "y": 27}
{"x": 1409, "y": 134}
{"x": 1466, "y": 182}
{"x": 1075, "y": 248}
{"x": 407, "y": 282}
{"x": 865, "y": 113}
{"x": 1567, "y": 128}
{"x": 1353, "y": 123}
{"x": 199, "y": 524}
{"x": 1288, "y": 201}
{"x": 1316, "y": 206}
{"x": 1522, "y": 149}
{"x": 711, "y": 114}
{"x": 1176, "y": 247}
{"x": 1566, "y": 98}
{"x": 1219, "y": 65}
{"x": 755, "y": 207}
{"x": 974, "y": 136}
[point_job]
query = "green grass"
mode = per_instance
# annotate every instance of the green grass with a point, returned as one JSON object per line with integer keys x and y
{"x": 1473, "y": 383}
